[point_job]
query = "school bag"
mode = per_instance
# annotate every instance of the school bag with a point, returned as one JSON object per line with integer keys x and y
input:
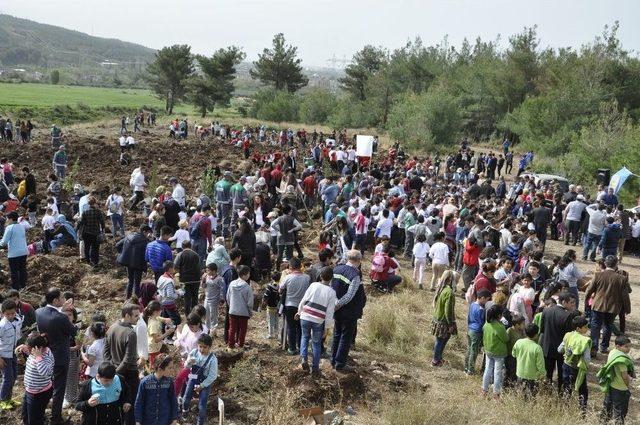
{"x": 194, "y": 230}
{"x": 470, "y": 295}
{"x": 22, "y": 189}
{"x": 114, "y": 206}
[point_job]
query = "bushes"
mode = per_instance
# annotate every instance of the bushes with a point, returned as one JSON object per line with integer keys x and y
{"x": 316, "y": 106}
{"x": 426, "y": 120}
{"x": 274, "y": 105}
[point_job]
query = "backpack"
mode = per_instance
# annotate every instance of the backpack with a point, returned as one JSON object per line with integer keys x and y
{"x": 22, "y": 189}
{"x": 470, "y": 295}
{"x": 377, "y": 263}
{"x": 114, "y": 206}
{"x": 194, "y": 229}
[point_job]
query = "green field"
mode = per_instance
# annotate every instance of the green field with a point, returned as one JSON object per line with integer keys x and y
{"x": 27, "y": 94}
{"x": 44, "y": 97}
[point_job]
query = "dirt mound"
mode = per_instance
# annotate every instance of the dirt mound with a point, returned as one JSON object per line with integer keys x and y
{"x": 46, "y": 271}
{"x": 329, "y": 389}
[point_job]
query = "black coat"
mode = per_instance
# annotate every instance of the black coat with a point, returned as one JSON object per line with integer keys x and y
{"x": 59, "y": 331}
{"x": 132, "y": 249}
{"x": 555, "y": 323}
{"x": 108, "y": 414}
{"x": 171, "y": 210}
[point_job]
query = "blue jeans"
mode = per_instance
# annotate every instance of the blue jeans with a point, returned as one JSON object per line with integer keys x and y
{"x": 202, "y": 400}
{"x": 600, "y": 320}
{"x": 438, "y": 348}
{"x": 34, "y": 405}
{"x": 9, "y": 374}
{"x": 117, "y": 223}
{"x": 493, "y": 372}
{"x": 313, "y": 331}
{"x": 591, "y": 240}
{"x": 342, "y": 338}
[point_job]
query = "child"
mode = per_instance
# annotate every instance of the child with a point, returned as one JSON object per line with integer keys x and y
{"x": 212, "y": 286}
{"x": 615, "y": 377}
{"x": 156, "y": 402}
{"x": 420, "y": 252}
{"x": 168, "y": 294}
{"x": 576, "y": 347}
{"x": 514, "y": 333}
{"x": 270, "y": 299}
{"x": 155, "y": 336}
{"x": 240, "y": 301}
{"x": 475, "y": 322}
{"x": 181, "y": 235}
{"x": 188, "y": 336}
{"x": 522, "y": 299}
{"x": 95, "y": 352}
{"x": 513, "y": 249}
{"x": 529, "y": 360}
{"x": 494, "y": 339}
{"x": 10, "y": 332}
{"x": 102, "y": 399}
{"x": 204, "y": 370}
{"x": 38, "y": 385}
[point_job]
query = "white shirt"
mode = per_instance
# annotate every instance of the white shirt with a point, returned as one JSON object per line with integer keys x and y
{"x": 420, "y": 250}
{"x": 96, "y": 350}
{"x": 47, "y": 222}
{"x": 179, "y": 194}
{"x": 143, "y": 338}
{"x": 123, "y": 141}
{"x": 384, "y": 227}
{"x": 439, "y": 253}
{"x": 180, "y": 236}
{"x": 505, "y": 238}
{"x": 130, "y": 140}
{"x": 138, "y": 181}
{"x": 635, "y": 229}
{"x": 351, "y": 155}
{"x": 118, "y": 201}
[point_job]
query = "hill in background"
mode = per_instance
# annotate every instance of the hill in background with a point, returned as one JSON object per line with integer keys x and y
{"x": 24, "y": 42}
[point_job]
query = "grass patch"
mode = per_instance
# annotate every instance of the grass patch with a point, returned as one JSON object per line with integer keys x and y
{"x": 280, "y": 408}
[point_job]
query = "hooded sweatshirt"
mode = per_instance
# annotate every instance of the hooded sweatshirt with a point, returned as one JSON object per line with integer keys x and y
{"x": 240, "y": 298}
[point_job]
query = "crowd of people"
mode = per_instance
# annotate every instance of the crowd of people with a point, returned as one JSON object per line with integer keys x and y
{"x": 221, "y": 253}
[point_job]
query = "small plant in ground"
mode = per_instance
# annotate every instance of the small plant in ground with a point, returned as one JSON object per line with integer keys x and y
{"x": 71, "y": 176}
{"x": 280, "y": 408}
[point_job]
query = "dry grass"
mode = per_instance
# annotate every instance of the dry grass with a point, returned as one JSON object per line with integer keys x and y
{"x": 280, "y": 408}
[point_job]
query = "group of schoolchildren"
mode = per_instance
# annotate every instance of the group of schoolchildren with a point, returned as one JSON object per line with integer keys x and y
{"x": 514, "y": 357}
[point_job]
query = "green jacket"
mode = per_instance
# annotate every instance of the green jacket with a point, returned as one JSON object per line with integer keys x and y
{"x": 529, "y": 359}
{"x": 575, "y": 345}
{"x": 444, "y": 306}
{"x": 494, "y": 339}
{"x": 606, "y": 373}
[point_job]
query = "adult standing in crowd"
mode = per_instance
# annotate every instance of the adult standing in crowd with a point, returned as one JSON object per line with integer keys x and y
{"x": 132, "y": 252}
{"x": 54, "y": 323}
{"x": 15, "y": 239}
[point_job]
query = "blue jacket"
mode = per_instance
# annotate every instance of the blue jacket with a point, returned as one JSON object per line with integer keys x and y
{"x": 476, "y": 318}
{"x": 156, "y": 402}
{"x": 610, "y": 237}
{"x": 157, "y": 253}
{"x": 15, "y": 239}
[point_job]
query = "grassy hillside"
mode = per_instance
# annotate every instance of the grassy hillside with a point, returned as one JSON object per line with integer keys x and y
{"x": 24, "y": 42}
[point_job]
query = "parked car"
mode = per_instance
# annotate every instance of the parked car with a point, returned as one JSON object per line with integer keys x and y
{"x": 543, "y": 179}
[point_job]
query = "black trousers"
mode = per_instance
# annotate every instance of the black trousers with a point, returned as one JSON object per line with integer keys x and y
{"x": 190, "y": 296}
{"x": 550, "y": 364}
{"x": 59, "y": 387}
{"x": 18, "y": 269}
{"x": 133, "y": 285}
{"x": 294, "y": 330}
{"x": 91, "y": 248}
{"x": 132, "y": 380}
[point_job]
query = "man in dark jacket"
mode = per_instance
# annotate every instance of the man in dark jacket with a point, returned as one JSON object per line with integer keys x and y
{"x": 541, "y": 221}
{"x": 187, "y": 264}
{"x": 171, "y": 212}
{"x": 121, "y": 349}
{"x": 90, "y": 226}
{"x": 103, "y": 399}
{"x": 59, "y": 330}
{"x": 555, "y": 323}
{"x": 351, "y": 301}
{"x": 132, "y": 249}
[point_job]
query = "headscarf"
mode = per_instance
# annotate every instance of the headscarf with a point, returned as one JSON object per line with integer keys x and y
{"x": 63, "y": 221}
{"x": 445, "y": 280}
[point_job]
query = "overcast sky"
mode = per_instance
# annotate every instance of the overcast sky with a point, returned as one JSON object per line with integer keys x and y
{"x": 322, "y": 28}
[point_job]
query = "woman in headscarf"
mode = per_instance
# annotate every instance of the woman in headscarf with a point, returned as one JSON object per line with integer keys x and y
{"x": 63, "y": 234}
{"x": 444, "y": 317}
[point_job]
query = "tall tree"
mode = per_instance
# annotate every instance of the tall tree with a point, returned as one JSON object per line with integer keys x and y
{"x": 280, "y": 66}
{"x": 215, "y": 84}
{"x": 364, "y": 65}
{"x": 168, "y": 74}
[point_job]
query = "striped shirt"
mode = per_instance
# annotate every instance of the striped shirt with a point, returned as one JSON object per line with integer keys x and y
{"x": 318, "y": 304}
{"x": 38, "y": 372}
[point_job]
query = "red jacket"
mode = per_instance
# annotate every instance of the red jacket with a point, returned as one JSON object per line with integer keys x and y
{"x": 471, "y": 254}
{"x": 483, "y": 282}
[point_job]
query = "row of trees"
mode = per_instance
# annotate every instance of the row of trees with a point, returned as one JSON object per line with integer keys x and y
{"x": 176, "y": 75}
